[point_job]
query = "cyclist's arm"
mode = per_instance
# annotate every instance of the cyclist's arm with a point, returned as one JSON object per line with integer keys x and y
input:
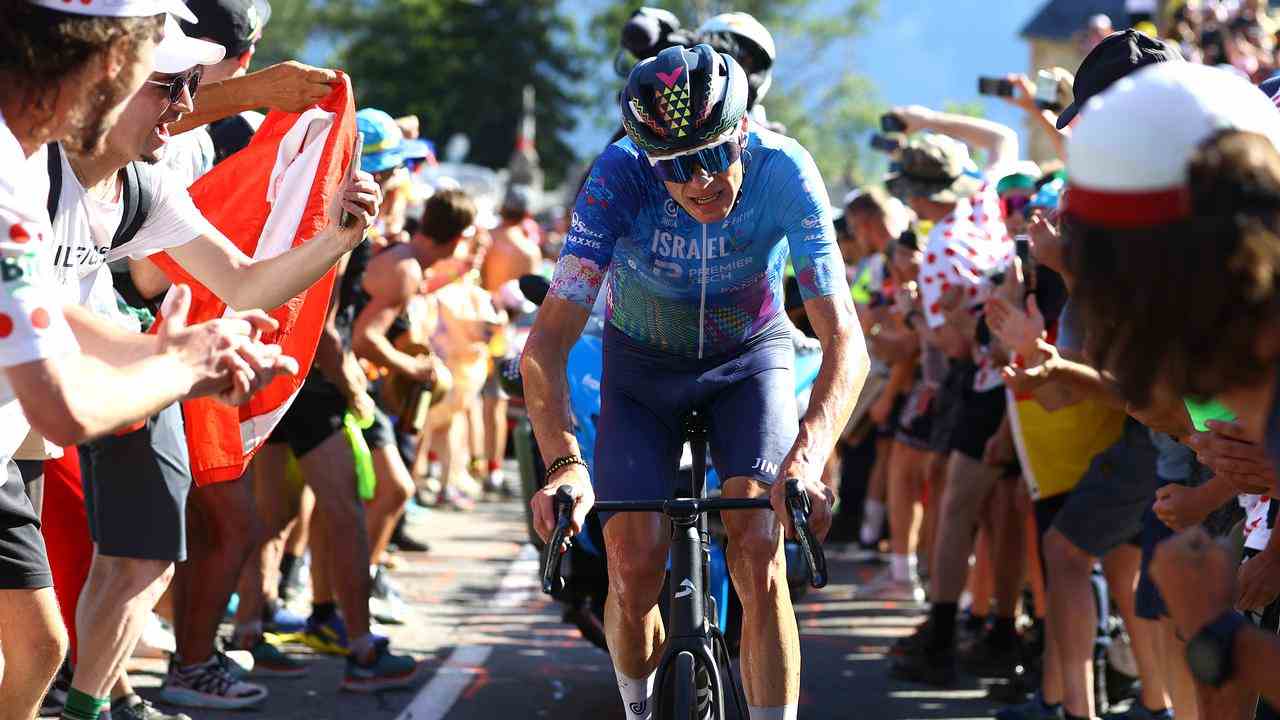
{"x": 844, "y": 368}
{"x": 546, "y": 355}
{"x": 579, "y": 275}
{"x": 829, "y": 305}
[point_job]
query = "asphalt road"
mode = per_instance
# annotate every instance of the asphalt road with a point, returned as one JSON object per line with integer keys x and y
{"x": 494, "y": 647}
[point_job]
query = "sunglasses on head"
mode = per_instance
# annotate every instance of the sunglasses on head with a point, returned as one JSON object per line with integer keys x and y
{"x": 189, "y": 80}
{"x": 713, "y": 160}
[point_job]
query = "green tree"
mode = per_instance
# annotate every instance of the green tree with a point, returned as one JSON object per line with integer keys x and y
{"x": 293, "y": 23}
{"x": 460, "y": 66}
{"x": 830, "y": 114}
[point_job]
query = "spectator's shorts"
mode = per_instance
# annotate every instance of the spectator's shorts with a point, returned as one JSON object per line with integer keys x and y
{"x": 135, "y": 489}
{"x": 1105, "y": 510}
{"x": 315, "y": 415}
{"x": 965, "y": 419}
{"x": 915, "y": 419}
{"x": 24, "y": 564}
{"x": 1148, "y": 603}
{"x": 748, "y": 396}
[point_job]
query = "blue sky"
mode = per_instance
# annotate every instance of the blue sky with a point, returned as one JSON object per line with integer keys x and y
{"x": 917, "y": 52}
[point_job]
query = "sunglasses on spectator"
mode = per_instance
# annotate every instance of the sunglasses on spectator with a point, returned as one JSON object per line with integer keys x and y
{"x": 1013, "y": 204}
{"x": 713, "y": 160}
{"x": 190, "y": 81}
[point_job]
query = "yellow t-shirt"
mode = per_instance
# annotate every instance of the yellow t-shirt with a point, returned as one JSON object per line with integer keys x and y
{"x": 1055, "y": 448}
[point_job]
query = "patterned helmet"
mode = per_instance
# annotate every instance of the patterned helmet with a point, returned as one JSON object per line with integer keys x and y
{"x": 683, "y": 99}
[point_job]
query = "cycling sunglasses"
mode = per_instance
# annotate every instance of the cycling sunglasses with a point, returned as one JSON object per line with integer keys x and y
{"x": 714, "y": 160}
{"x": 190, "y": 81}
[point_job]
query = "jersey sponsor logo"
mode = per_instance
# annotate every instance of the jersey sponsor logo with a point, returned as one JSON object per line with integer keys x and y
{"x": 574, "y": 238}
{"x": 670, "y": 208}
{"x": 720, "y": 272}
{"x": 769, "y": 468}
{"x": 672, "y": 245}
{"x": 638, "y": 708}
{"x": 578, "y": 226}
{"x": 812, "y": 221}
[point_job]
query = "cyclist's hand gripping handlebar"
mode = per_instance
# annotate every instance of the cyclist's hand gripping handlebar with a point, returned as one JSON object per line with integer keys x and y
{"x": 551, "y": 580}
{"x": 798, "y": 504}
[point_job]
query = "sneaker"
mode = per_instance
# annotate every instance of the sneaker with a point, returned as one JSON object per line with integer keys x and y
{"x": 55, "y": 700}
{"x": 271, "y": 661}
{"x": 133, "y": 707}
{"x": 329, "y": 636}
{"x": 237, "y": 662}
{"x": 385, "y": 603}
{"x": 985, "y": 660}
{"x": 912, "y": 642}
{"x": 385, "y": 672}
{"x": 1034, "y": 709}
{"x": 1137, "y": 711}
{"x": 454, "y": 499}
{"x": 930, "y": 667}
{"x": 885, "y": 587}
{"x": 403, "y": 538}
{"x": 209, "y": 685}
{"x": 280, "y": 619}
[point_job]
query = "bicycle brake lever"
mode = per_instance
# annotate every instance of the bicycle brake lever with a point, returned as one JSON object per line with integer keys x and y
{"x": 563, "y": 503}
{"x": 814, "y": 557}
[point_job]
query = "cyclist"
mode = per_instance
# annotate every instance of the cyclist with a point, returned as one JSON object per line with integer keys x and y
{"x": 692, "y": 214}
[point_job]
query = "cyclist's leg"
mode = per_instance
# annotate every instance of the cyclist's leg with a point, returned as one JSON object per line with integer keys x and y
{"x": 753, "y": 426}
{"x": 638, "y": 440}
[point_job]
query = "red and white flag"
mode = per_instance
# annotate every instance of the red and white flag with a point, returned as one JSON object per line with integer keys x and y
{"x": 268, "y": 198}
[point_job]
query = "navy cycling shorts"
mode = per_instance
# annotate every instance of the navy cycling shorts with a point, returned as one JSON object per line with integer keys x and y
{"x": 748, "y": 397}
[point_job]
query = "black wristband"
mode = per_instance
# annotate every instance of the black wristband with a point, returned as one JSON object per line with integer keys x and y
{"x": 561, "y": 463}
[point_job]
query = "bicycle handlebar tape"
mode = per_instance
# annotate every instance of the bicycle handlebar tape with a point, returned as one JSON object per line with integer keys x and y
{"x": 552, "y": 583}
{"x": 815, "y": 558}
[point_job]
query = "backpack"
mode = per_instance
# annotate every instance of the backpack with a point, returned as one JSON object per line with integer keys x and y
{"x": 137, "y": 206}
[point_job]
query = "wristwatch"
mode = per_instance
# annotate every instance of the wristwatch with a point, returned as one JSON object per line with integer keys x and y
{"x": 1209, "y": 652}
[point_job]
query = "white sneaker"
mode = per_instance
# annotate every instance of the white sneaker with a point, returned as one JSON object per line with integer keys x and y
{"x": 885, "y": 587}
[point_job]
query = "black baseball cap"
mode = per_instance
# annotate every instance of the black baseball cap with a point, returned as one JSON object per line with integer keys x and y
{"x": 233, "y": 24}
{"x": 1118, "y": 55}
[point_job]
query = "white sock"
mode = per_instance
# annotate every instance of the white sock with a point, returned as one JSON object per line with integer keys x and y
{"x": 637, "y": 695}
{"x": 872, "y": 521}
{"x": 786, "y": 712}
{"x": 903, "y": 567}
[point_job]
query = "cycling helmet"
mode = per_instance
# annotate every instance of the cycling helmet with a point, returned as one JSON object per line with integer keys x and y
{"x": 750, "y": 43}
{"x": 683, "y": 99}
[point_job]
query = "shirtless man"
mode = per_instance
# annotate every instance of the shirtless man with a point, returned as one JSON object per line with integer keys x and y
{"x": 512, "y": 254}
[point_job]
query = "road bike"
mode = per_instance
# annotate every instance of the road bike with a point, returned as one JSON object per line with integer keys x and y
{"x": 695, "y": 672}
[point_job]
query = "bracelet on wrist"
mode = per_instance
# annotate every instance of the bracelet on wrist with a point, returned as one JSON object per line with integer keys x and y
{"x": 561, "y": 463}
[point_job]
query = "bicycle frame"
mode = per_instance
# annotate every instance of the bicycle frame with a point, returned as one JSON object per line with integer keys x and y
{"x": 692, "y": 626}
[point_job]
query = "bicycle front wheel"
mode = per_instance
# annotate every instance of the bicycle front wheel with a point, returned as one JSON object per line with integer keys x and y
{"x": 684, "y": 704}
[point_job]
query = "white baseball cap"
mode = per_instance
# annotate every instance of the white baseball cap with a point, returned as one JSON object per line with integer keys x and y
{"x": 178, "y": 53}
{"x": 1127, "y": 158}
{"x": 120, "y": 8}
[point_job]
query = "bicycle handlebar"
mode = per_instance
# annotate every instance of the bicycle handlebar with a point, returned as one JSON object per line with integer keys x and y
{"x": 814, "y": 557}
{"x": 797, "y": 502}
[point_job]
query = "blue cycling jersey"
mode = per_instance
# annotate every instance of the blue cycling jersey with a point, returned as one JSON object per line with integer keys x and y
{"x": 692, "y": 289}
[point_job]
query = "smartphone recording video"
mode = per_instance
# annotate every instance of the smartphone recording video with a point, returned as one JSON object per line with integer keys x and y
{"x": 997, "y": 87}
{"x": 890, "y": 123}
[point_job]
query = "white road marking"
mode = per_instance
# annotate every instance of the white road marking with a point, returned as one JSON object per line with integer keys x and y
{"x": 438, "y": 697}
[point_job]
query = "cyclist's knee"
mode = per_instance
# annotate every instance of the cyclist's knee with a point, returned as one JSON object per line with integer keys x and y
{"x": 637, "y": 562}
{"x": 755, "y": 556}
